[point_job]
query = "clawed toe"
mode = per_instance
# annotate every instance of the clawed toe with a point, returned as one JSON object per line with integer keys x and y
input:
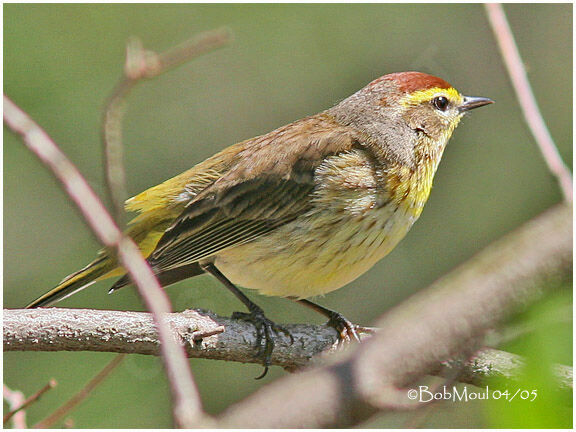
{"x": 347, "y": 332}
{"x": 266, "y": 332}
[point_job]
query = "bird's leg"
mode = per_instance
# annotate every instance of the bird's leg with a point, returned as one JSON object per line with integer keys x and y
{"x": 264, "y": 327}
{"x": 346, "y": 330}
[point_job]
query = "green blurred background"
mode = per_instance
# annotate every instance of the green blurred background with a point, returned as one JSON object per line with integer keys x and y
{"x": 286, "y": 62}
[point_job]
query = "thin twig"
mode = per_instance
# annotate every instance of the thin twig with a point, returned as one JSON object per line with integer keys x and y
{"x": 532, "y": 115}
{"x": 15, "y": 399}
{"x": 81, "y": 395}
{"x": 51, "y": 384}
{"x": 187, "y": 404}
{"x": 143, "y": 64}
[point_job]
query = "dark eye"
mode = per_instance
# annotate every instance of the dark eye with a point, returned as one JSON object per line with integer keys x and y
{"x": 441, "y": 103}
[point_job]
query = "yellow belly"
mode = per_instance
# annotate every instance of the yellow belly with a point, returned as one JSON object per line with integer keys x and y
{"x": 316, "y": 254}
{"x": 355, "y": 222}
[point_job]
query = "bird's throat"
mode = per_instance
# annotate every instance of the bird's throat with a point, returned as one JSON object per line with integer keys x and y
{"x": 409, "y": 186}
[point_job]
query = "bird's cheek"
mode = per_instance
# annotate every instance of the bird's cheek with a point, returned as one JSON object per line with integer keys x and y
{"x": 435, "y": 128}
{"x": 416, "y": 124}
{"x": 423, "y": 127}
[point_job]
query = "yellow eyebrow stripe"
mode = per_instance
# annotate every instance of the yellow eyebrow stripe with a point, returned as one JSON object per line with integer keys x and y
{"x": 418, "y": 97}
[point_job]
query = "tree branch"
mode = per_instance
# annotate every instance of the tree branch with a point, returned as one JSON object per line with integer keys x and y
{"x": 526, "y": 98}
{"x": 143, "y": 64}
{"x": 80, "y": 396}
{"x": 209, "y": 336}
{"x": 202, "y": 334}
{"x": 187, "y": 405}
{"x": 447, "y": 320}
{"x": 488, "y": 364}
{"x": 17, "y": 403}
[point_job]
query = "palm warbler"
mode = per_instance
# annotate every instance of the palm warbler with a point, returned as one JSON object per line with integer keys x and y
{"x": 302, "y": 210}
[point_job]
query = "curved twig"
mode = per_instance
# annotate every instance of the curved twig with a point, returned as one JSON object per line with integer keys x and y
{"x": 532, "y": 114}
{"x": 187, "y": 404}
{"x": 142, "y": 64}
{"x": 81, "y": 395}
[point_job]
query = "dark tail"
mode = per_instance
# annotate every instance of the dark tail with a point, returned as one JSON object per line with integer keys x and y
{"x": 165, "y": 278}
{"x": 75, "y": 282}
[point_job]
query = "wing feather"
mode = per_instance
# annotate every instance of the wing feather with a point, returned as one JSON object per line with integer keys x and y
{"x": 250, "y": 213}
{"x": 270, "y": 185}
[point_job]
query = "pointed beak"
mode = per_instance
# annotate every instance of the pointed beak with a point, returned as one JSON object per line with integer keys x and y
{"x": 471, "y": 102}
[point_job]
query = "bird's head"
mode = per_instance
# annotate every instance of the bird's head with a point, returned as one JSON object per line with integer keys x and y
{"x": 428, "y": 105}
{"x": 408, "y": 112}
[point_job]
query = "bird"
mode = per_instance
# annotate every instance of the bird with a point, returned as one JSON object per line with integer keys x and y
{"x": 300, "y": 211}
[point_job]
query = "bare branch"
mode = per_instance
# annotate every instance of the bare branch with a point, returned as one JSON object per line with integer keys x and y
{"x": 490, "y": 363}
{"x": 187, "y": 404}
{"x": 532, "y": 115}
{"x": 15, "y": 400}
{"x": 202, "y": 334}
{"x": 51, "y": 384}
{"x": 447, "y": 320}
{"x": 143, "y": 64}
{"x": 206, "y": 335}
{"x": 81, "y": 395}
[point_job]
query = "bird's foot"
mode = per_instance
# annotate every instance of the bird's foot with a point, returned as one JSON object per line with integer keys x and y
{"x": 266, "y": 332}
{"x": 347, "y": 332}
